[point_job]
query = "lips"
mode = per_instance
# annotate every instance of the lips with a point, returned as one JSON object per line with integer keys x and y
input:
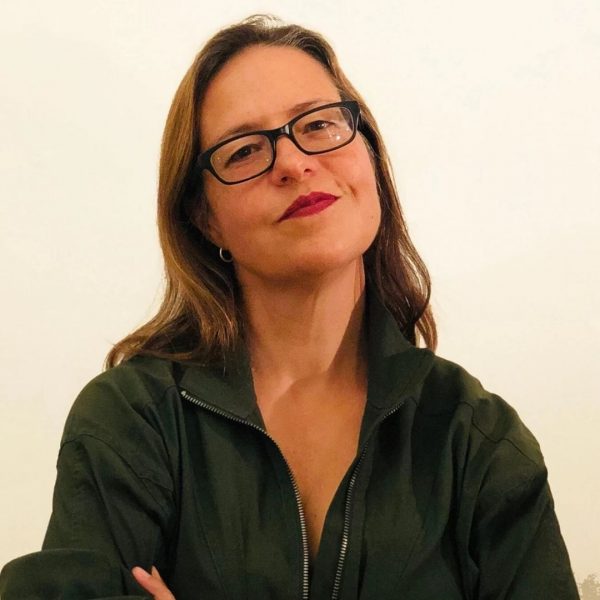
{"x": 308, "y": 205}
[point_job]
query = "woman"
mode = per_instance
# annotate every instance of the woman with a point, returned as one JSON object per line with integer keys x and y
{"x": 275, "y": 432}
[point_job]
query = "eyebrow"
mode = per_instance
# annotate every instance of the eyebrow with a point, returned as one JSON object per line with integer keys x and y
{"x": 257, "y": 126}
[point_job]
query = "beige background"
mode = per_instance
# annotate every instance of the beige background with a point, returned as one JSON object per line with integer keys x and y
{"x": 490, "y": 111}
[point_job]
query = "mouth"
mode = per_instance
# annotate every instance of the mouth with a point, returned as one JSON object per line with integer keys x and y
{"x": 310, "y": 204}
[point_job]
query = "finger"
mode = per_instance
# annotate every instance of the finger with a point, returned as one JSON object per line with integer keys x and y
{"x": 152, "y": 583}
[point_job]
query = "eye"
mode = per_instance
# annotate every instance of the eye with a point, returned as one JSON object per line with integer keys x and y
{"x": 243, "y": 153}
{"x": 318, "y": 125}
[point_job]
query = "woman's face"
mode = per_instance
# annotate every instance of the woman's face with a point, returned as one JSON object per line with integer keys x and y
{"x": 266, "y": 87}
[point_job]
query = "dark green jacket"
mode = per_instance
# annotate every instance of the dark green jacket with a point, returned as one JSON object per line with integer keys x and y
{"x": 169, "y": 465}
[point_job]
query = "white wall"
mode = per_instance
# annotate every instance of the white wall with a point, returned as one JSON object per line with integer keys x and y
{"x": 490, "y": 111}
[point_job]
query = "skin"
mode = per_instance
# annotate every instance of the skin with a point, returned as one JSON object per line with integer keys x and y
{"x": 303, "y": 278}
{"x": 152, "y": 583}
{"x": 305, "y": 247}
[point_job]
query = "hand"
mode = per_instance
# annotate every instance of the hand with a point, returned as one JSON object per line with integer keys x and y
{"x": 153, "y": 583}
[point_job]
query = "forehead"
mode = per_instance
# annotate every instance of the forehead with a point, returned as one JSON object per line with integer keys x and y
{"x": 261, "y": 85}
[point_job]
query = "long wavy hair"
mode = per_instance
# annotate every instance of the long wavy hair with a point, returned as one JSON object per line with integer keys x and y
{"x": 200, "y": 318}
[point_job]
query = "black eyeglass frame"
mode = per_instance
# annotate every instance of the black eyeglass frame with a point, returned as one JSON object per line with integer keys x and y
{"x": 203, "y": 161}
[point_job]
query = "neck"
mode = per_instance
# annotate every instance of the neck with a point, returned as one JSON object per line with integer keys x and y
{"x": 307, "y": 332}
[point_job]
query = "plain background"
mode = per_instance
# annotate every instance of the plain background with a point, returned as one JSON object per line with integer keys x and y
{"x": 490, "y": 113}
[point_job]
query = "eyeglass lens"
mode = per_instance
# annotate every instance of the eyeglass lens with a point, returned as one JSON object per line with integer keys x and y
{"x": 318, "y": 131}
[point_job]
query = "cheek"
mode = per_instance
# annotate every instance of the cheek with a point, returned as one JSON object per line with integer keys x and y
{"x": 365, "y": 190}
{"x": 362, "y": 178}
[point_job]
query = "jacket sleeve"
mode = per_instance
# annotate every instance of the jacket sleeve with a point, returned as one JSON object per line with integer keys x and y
{"x": 110, "y": 512}
{"x": 520, "y": 550}
{"x": 515, "y": 543}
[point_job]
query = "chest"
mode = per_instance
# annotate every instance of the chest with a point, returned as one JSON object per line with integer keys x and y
{"x": 240, "y": 526}
{"x": 319, "y": 445}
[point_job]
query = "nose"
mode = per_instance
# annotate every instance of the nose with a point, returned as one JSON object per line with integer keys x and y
{"x": 291, "y": 164}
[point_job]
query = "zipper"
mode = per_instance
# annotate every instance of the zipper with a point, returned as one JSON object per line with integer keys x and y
{"x": 185, "y": 394}
{"x": 346, "y": 528}
{"x": 347, "y": 503}
{"x": 347, "y": 511}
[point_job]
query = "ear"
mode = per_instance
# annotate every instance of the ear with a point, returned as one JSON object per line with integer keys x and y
{"x": 205, "y": 220}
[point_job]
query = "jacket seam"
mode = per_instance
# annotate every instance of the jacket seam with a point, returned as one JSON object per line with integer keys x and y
{"x": 78, "y": 440}
{"x": 163, "y": 396}
{"x": 496, "y": 441}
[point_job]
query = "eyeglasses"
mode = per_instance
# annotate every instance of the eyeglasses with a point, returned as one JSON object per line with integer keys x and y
{"x": 251, "y": 154}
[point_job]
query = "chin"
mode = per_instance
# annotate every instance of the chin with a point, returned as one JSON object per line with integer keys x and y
{"x": 314, "y": 260}
{"x": 321, "y": 265}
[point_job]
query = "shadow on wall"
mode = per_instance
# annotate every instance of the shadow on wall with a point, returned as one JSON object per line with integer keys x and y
{"x": 589, "y": 588}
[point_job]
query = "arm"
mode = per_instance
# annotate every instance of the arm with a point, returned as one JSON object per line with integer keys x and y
{"x": 519, "y": 548}
{"x": 112, "y": 508}
{"x": 514, "y": 542}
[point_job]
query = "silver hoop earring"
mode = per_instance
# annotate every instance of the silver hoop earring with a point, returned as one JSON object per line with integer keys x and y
{"x": 225, "y": 255}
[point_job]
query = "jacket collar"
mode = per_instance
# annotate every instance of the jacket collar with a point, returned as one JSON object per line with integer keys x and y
{"x": 228, "y": 388}
{"x": 395, "y": 368}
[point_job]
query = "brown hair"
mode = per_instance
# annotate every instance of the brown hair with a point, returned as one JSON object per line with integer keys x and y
{"x": 200, "y": 318}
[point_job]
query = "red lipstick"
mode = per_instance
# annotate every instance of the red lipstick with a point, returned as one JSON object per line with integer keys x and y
{"x": 310, "y": 204}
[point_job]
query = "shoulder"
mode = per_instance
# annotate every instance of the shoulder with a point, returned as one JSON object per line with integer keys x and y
{"x": 124, "y": 405}
{"x": 143, "y": 379}
{"x": 494, "y": 457}
{"x": 486, "y": 419}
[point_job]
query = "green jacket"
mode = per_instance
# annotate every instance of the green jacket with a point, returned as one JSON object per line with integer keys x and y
{"x": 170, "y": 465}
